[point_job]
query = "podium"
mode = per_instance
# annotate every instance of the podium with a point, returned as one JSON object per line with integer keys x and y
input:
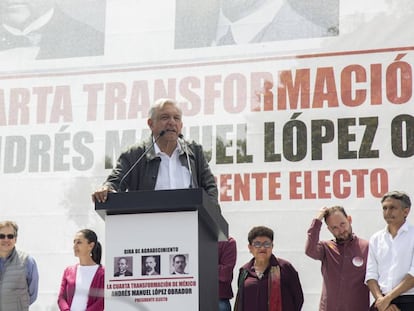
{"x": 145, "y": 231}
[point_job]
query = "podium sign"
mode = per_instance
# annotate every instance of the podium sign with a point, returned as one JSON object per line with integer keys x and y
{"x": 144, "y": 242}
{"x": 161, "y": 250}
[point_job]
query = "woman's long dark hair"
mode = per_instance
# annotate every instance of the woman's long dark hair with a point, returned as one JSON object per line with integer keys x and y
{"x": 96, "y": 252}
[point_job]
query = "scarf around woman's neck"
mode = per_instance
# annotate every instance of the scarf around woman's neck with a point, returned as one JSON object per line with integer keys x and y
{"x": 275, "y": 293}
{"x": 274, "y": 289}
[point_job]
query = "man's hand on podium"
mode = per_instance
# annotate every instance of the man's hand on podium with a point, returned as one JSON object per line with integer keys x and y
{"x": 101, "y": 194}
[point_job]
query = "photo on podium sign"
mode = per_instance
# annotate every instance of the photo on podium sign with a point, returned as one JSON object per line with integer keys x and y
{"x": 151, "y": 265}
{"x": 179, "y": 264}
{"x": 123, "y": 266}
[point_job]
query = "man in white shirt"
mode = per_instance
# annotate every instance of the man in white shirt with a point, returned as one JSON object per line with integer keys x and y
{"x": 38, "y": 29}
{"x": 227, "y": 22}
{"x": 390, "y": 265}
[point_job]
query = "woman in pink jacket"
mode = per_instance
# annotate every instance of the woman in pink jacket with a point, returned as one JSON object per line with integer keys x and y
{"x": 82, "y": 287}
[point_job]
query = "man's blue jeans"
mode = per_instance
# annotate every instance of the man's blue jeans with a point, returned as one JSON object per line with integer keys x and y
{"x": 224, "y": 305}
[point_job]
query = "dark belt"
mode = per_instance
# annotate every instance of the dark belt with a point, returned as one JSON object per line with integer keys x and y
{"x": 404, "y": 299}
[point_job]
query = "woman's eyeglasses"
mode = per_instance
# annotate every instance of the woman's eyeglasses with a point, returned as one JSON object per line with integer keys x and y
{"x": 9, "y": 236}
{"x": 266, "y": 244}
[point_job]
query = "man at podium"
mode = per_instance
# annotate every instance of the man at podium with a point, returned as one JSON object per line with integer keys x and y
{"x": 165, "y": 161}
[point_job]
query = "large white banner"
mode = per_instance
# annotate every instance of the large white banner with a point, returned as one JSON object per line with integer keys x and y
{"x": 290, "y": 123}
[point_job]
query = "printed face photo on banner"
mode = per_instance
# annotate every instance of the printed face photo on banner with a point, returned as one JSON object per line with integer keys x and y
{"x": 43, "y": 29}
{"x": 230, "y": 22}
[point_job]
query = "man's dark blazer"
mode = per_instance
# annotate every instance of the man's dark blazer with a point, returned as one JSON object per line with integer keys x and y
{"x": 127, "y": 273}
{"x": 145, "y": 173}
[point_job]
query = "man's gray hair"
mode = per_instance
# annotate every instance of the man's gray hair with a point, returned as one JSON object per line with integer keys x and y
{"x": 9, "y": 223}
{"x": 398, "y": 195}
{"x": 159, "y": 104}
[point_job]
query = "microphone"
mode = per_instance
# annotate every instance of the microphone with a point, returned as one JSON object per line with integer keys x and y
{"x": 139, "y": 159}
{"x": 184, "y": 146}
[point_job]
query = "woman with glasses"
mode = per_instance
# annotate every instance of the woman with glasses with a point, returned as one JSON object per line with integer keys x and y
{"x": 82, "y": 287}
{"x": 19, "y": 275}
{"x": 267, "y": 283}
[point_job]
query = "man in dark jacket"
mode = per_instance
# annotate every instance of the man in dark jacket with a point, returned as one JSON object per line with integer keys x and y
{"x": 166, "y": 161}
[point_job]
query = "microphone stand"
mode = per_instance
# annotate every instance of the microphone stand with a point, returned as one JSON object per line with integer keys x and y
{"x": 139, "y": 159}
{"x": 184, "y": 146}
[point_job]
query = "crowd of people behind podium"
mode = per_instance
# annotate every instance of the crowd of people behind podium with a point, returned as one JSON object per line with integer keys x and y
{"x": 351, "y": 267}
